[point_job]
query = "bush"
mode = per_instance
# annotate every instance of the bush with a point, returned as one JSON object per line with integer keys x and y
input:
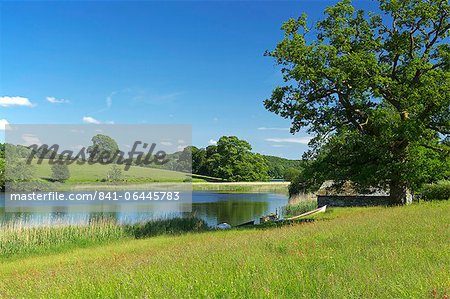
{"x": 299, "y": 208}
{"x": 114, "y": 174}
{"x": 438, "y": 191}
{"x": 167, "y": 226}
{"x": 291, "y": 173}
{"x": 60, "y": 172}
{"x": 2, "y": 174}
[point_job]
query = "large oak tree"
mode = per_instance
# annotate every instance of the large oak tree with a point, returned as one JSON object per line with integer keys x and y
{"x": 373, "y": 88}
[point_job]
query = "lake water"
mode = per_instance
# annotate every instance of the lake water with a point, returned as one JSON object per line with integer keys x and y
{"x": 214, "y": 208}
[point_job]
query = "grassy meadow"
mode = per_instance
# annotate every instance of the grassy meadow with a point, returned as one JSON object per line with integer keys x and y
{"x": 377, "y": 252}
{"x": 98, "y": 172}
{"x": 87, "y": 176}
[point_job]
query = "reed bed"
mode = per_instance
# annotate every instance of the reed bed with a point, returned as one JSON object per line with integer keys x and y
{"x": 299, "y": 204}
{"x": 19, "y": 237}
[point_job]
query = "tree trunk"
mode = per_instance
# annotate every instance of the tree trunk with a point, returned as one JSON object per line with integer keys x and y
{"x": 398, "y": 193}
{"x": 398, "y": 186}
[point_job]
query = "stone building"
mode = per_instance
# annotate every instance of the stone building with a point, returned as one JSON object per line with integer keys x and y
{"x": 346, "y": 195}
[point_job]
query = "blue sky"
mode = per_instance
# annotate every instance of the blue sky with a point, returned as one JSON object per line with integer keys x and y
{"x": 178, "y": 62}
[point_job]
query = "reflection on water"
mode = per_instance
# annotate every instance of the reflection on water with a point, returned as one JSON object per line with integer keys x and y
{"x": 214, "y": 208}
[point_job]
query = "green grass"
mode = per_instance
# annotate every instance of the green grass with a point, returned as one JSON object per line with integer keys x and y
{"x": 19, "y": 240}
{"x": 400, "y": 252}
{"x": 299, "y": 208}
{"x": 98, "y": 172}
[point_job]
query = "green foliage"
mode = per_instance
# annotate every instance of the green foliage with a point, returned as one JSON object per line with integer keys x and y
{"x": 278, "y": 166}
{"x": 11, "y": 151}
{"x": 167, "y": 226}
{"x": 233, "y": 187}
{"x": 60, "y": 172}
{"x": 234, "y": 161}
{"x": 437, "y": 191}
{"x": 231, "y": 159}
{"x": 291, "y": 173}
{"x": 299, "y": 208}
{"x": 103, "y": 148}
{"x": 114, "y": 174}
{"x": 354, "y": 253}
{"x": 2, "y": 174}
{"x": 17, "y": 170}
{"x": 184, "y": 161}
{"x": 309, "y": 179}
{"x": 374, "y": 90}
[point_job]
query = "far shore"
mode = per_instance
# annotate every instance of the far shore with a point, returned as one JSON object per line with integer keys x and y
{"x": 242, "y": 186}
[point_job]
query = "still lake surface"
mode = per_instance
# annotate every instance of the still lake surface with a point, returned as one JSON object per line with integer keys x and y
{"x": 213, "y": 207}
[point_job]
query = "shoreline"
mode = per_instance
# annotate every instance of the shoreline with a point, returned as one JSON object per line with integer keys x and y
{"x": 242, "y": 186}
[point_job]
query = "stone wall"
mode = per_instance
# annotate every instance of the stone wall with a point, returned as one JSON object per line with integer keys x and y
{"x": 352, "y": 201}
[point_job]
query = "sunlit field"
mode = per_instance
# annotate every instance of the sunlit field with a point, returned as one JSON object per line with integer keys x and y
{"x": 400, "y": 252}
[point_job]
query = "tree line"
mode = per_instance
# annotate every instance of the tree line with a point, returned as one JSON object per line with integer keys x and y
{"x": 231, "y": 159}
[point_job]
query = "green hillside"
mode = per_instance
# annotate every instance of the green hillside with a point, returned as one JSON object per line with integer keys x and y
{"x": 98, "y": 172}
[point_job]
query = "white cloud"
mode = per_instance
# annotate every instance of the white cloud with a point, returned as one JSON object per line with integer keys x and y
{"x": 181, "y": 147}
{"x": 15, "y": 101}
{"x": 212, "y": 142}
{"x": 109, "y": 99}
{"x": 90, "y": 120}
{"x": 30, "y": 140}
{"x": 93, "y": 121}
{"x": 301, "y": 140}
{"x": 272, "y": 129}
{"x": 3, "y": 123}
{"x": 54, "y": 100}
{"x": 278, "y": 145}
{"x": 166, "y": 143}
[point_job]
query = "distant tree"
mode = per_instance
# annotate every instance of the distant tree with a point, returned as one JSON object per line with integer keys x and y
{"x": 233, "y": 160}
{"x": 291, "y": 173}
{"x": 114, "y": 174}
{"x": 2, "y": 150}
{"x": 198, "y": 160}
{"x": 184, "y": 162}
{"x": 16, "y": 168}
{"x": 278, "y": 166}
{"x": 18, "y": 175}
{"x": 2, "y": 174}
{"x": 374, "y": 90}
{"x": 60, "y": 172}
{"x": 103, "y": 148}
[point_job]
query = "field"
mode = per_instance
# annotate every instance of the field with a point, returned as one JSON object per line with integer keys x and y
{"x": 98, "y": 172}
{"x": 400, "y": 252}
{"x": 83, "y": 177}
